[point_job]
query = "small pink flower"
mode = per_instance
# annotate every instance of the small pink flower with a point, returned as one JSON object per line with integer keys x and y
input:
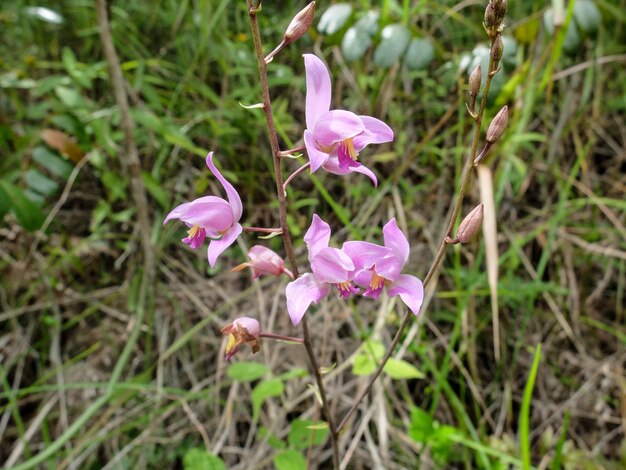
{"x": 330, "y": 266}
{"x": 264, "y": 261}
{"x": 243, "y": 330}
{"x": 211, "y": 216}
{"x": 379, "y": 267}
{"x": 333, "y": 139}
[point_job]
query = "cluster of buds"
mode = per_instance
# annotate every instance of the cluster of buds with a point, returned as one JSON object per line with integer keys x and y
{"x": 494, "y": 16}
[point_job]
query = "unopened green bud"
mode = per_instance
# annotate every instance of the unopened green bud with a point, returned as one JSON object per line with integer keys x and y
{"x": 470, "y": 225}
{"x": 498, "y": 125}
{"x": 300, "y": 23}
{"x": 490, "y": 16}
{"x": 474, "y": 81}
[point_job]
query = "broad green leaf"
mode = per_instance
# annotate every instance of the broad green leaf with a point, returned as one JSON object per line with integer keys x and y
{"x": 421, "y": 426}
{"x": 399, "y": 369}
{"x": 369, "y": 23}
{"x": 587, "y": 15}
{"x": 263, "y": 391}
{"x": 28, "y": 214}
{"x": 366, "y": 361}
{"x": 334, "y": 18}
{"x": 69, "y": 97}
{"x": 246, "y": 371}
{"x": 355, "y": 43}
{"x": 52, "y": 162}
{"x": 40, "y": 183}
{"x": 200, "y": 459}
{"x": 304, "y": 433}
{"x": 289, "y": 460}
{"x": 395, "y": 39}
{"x": 419, "y": 54}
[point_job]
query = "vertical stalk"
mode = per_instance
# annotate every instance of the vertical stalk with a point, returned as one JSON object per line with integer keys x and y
{"x": 282, "y": 205}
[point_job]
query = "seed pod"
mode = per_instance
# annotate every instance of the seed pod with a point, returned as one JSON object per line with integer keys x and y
{"x": 474, "y": 81}
{"x": 471, "y": 224}
{"x": 498, "y": 125}
{"x": 497, "y": 48}
{"x": 490, "y": 16}
{"x": 300, "y": 23}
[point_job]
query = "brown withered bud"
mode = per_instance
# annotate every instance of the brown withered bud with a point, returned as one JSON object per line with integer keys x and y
{"x": 498, "y": 125}
{"x": 500, "y": 7}
{"x": 474, "y": 81}
{"x": 490, "y": 16}
{"x": 471, "y": 224}
{"x": 300, "y": 23}
{"x": 497, "y": 48}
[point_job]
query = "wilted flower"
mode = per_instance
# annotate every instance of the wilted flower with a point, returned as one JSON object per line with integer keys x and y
{"x": 380, "y": 266}
{"x": 243, "y": 330}
{"x": 211, "y": 216}
{"x": 330, "y": 266}
{"x": 333, "y": 139}
{"x": 264, "y": 261}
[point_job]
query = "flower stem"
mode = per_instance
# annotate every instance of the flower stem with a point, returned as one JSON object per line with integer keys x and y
{"x": 465, "y": 180}
{"x": 282, "y": 205}
{"x": 294, "y": 174}
{"x": 280, "y": 337}
{"x": 263, "y": 230}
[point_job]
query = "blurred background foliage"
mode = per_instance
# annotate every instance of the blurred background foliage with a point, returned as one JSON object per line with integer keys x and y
{"x": 69, "y": 255}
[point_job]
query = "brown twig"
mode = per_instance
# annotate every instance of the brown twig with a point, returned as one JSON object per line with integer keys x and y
{"x": 131, "y": 161}
{"x": 282, "y": 204}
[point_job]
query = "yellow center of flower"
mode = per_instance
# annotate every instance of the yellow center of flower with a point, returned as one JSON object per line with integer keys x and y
{"x": 351, "y": 150}
{"x": 193, "y": 230}
{"x": 377, "y": 281}
{"x": 232, "y": 342}
{"x": 344, "y": 286}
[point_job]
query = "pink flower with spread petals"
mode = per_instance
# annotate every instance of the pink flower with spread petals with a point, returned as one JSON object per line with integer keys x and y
{"x": 264, "y": 261}
{"x": 243, "y": 330}
{"x": 333, "y": 139}
{"x": 330, "y": 266}
{"x": 379, "y": 267}
{"x": 211, "y": 216}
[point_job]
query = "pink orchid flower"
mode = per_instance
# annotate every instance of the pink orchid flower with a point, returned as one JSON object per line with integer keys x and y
{"x": 211, "y": 216}
{"x": 264, "y": 261}
{"x": 330, "y": 266}
{"x": 380, "y": 266}
{"x": 333, "y": 139}
{"x": 243, "y": 330}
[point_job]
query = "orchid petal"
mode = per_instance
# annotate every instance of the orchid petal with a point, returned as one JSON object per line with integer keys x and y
{"x": 217, "y": 247}
{"x": 317, "y": 236}
{"x": 332, "y": 166}
{"x": 231, "y": 192}
{"x": 265, "y": 261}
{"x": 365, "y": 255}
{"x": 318, "y": 89}
{"x": 177, "y": 212}
{"x": 363, "y": 277}
{"x": 209, "y": 212}
{"x": 396, "y": 240}
{"x": 375, "y": 132}
{"x": 336, "y": 126}
{"x": 411, "y": 291}
{"x": 331, "y": 265}
{"x": 301, "y": 293}
{"x": 316, "y": 156}
{"x": 389, "y": 267}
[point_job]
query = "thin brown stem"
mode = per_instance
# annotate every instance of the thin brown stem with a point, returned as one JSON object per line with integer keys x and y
{"x": 131, "y": 161}
{"x": 465, "y": 180}
{"x": 294, "y": 174}
{"x": 280, "y": 337}
{"x": 282, "y": 204}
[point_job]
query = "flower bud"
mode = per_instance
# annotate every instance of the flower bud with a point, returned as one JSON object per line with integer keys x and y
{"x": 263, "y": 261}
{"x": 300, "y": 23}
{"x": 497, "y": 48}
{"x": 498, "y": 125}
{"x": 243, "y": 330}
{"x": 500, "y": 7}
{"x": 474, "y": 81}
{"x": 471, "y": 224}
{"x": 490, "y": 16}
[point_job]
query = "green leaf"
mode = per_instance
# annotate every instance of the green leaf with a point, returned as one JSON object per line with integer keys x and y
{"x": 420, "y": 54}
{"x": 52, "y": 162}
{"x": 355, "y": 43}
{"x": 421, "y": 426}
{"x": 399, "y": 369}
{"x": 369, "y": 23}
{"x": 263, "y": 391}
{"x": 200, "y": 459}
{"x": 289, "y": 460}
{"x": 40, "y": 183}
{"x": 246, "y": 371}
{"x": 366, "y": 361}
{"x": 28, "y": 214}
{"x": 304, "y": 433}
{"x": 69, "y": 97}
{"x": 395, "y": 38}
{"x": 587, "y": 15}
{"x": 334, "y": 18}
